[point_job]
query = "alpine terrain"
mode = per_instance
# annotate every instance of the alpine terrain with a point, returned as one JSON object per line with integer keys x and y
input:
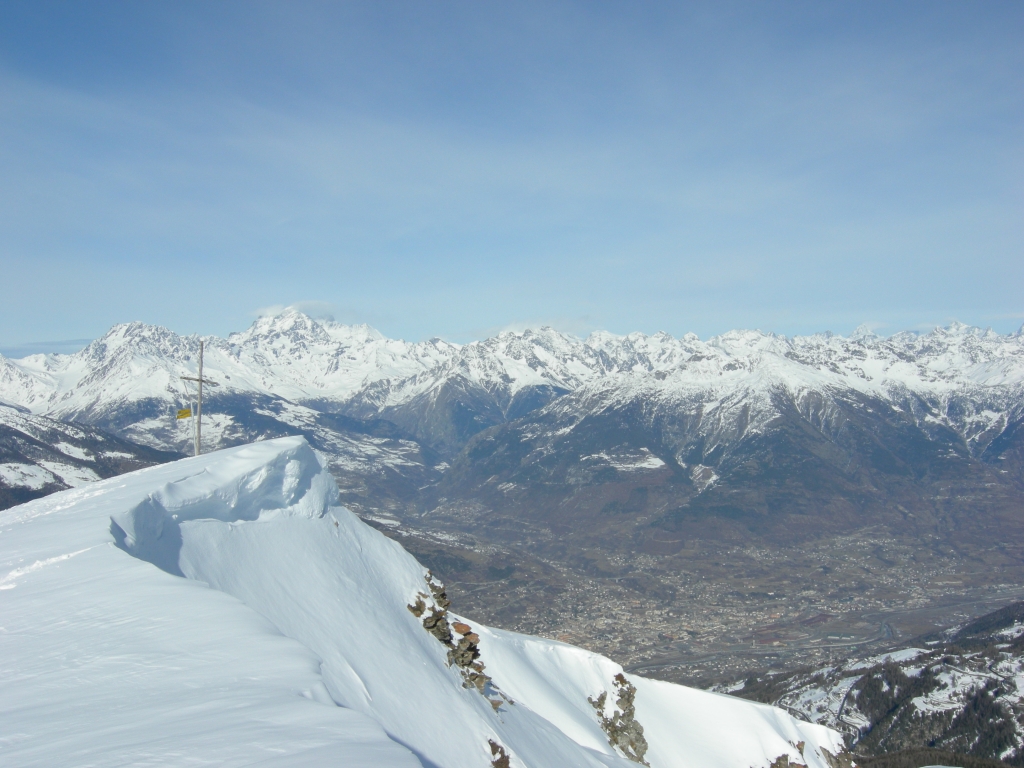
{"x": 694, "y": 508}
{"x": 39, "y": 455}
{"x": 957, "y": 691}
{"x": 225, "y": 609}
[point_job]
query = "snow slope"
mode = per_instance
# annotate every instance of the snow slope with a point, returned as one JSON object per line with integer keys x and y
{"x": 222, "y": 609}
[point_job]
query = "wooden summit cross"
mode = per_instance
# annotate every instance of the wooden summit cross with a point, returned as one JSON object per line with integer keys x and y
{"x": 199, "y": 401}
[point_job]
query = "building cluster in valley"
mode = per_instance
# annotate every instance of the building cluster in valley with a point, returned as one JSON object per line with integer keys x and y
{"x": 711, "y": 614}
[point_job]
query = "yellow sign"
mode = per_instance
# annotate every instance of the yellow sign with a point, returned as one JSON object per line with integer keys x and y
{"x": 184, "y": 413}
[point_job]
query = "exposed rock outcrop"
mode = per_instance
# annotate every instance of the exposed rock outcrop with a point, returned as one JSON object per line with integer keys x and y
{"x": 419, "y": 606}
{"x": 437, "y": 625}
{"x": 623, "y": 731}
{"x": 500, "y": 758}
{"x": 465, "y": 653}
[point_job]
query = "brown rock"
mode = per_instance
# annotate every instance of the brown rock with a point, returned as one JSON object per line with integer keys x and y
{"x": 461, "y": 628}
{"x": 500, "y": 756}
{"x": 418, "y": 607}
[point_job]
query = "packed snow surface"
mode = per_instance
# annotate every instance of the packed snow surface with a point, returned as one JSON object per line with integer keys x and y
{"x": 224, "y": 610}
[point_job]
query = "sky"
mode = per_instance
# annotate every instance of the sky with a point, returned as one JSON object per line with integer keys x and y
{"x": 455, "y": 169}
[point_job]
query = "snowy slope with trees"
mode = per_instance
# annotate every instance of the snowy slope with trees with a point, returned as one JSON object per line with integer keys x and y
{"x": 39, "y": 455}
{"x": 223, "y": 608}
{"x": 959, "y": 689}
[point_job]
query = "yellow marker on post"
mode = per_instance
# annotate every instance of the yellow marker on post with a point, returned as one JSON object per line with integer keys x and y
{"x": 199, "y": 401}
{"x": 185, "y": 413}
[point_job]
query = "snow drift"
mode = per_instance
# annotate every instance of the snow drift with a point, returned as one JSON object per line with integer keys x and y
{"x": 223, "y": 609}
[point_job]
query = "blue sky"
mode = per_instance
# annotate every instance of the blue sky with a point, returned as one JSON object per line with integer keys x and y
{"x": 452, "y": 169}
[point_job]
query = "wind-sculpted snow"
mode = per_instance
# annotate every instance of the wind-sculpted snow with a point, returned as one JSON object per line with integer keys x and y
{"x": 223, "y": 609}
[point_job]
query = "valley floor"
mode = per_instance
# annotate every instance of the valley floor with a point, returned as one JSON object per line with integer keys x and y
{"x": 712, "y": 612}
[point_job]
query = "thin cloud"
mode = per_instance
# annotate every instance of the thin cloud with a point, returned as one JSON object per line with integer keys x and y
{"x": 63, "y": 347}
{"x": 318, "y": 310}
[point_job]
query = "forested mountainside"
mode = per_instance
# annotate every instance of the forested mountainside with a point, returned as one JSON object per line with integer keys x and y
{"x": 957, "y": 691}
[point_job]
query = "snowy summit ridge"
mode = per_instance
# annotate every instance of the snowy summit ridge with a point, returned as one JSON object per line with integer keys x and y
{"x": 224, "y": 608}
{"x": 129, "y": 380}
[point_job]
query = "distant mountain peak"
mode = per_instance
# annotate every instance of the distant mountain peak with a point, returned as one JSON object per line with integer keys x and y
{"x": 863, "y": 332}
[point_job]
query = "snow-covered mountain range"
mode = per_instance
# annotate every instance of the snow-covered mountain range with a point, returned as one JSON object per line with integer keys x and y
{"x": 960, "y": 377}
{"x": 224, "y": 609}
{"x": 498, "y": 421}
{"x": 579, "y": 449}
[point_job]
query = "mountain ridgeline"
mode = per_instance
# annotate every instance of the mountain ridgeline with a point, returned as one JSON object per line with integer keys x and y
{"x": 643, "y": 441}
